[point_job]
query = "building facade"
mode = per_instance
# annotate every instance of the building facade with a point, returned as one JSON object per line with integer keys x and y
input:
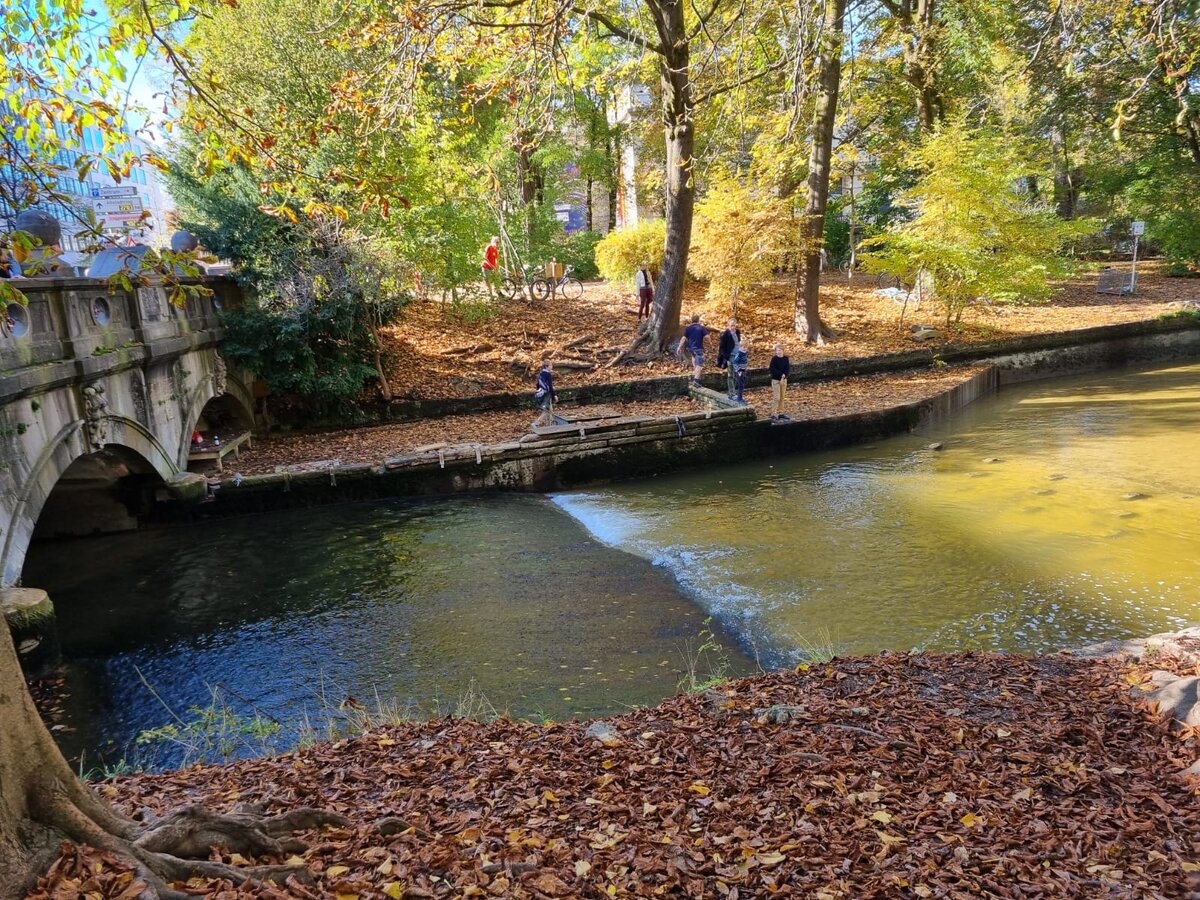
{"x": 145, "y": 188}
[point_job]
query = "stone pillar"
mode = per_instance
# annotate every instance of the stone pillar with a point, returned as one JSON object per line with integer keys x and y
{"x": 29, "y": 614}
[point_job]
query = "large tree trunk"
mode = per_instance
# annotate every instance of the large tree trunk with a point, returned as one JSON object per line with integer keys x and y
{"x": 812, "y": 225}
{"x": 1068, "y": 179}
{"x": 529, "y": 179}
{"x": 661, "y": 330}
{"x": 919, "y": 27}
{"x": 42, "y": 803}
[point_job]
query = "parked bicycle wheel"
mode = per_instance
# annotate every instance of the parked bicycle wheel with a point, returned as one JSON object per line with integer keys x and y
{"x": 571, "y": 289}
{"x": 540, "y": 288}
{"x": 889, "y": 281}
{"x": 510, "y": 288}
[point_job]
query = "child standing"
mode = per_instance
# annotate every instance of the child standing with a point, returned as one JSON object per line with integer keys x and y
{"x": 740, "y": 364}
{"x": 544, "y": 396}
{"x": 781, "y": 367}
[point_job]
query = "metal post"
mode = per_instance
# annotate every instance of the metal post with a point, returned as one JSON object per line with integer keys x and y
{"x": 1133, "y": 280}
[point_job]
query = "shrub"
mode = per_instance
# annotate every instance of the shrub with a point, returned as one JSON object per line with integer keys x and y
{"x": 315, "y": 333}
{"x": 975, "y": 233}
{"x": 578, "y": 250}
{"x": 739, "y": 239}
{"x": 621, "y": 252}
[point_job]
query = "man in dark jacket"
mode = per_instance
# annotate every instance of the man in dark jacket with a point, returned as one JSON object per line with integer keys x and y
{"x": 781, "y": 368}
{"x": 731, "y": 338}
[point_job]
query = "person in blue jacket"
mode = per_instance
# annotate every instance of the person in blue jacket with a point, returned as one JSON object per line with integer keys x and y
{"x": 544, "y": 395}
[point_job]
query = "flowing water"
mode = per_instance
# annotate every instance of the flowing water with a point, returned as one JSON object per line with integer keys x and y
{"x": 1058, "y": 514}
{"x": 412, "y": 604}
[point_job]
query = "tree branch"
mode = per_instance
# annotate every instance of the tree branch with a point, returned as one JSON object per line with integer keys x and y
{"x": 617, "y": 31}
{"x": 741, "y": 82}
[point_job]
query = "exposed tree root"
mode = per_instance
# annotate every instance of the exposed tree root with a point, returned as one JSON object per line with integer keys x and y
{"x": 175, "y": 848}
{"x": 647, "y": 345}
{"x": 823, "y": 333}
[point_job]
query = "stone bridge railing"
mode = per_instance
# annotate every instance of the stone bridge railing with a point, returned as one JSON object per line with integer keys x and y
{"x": 77, "y": 322}
{"x": 101, "y": 386}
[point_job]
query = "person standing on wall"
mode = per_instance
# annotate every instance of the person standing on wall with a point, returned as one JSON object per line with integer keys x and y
{"x": 693, "y": 337}
{"x": 781, "y": 368}
{"x": 731, "y": 337}
{"x": 544, "y": 395}
{"x": 645, "y": 291}
{"x": 739, "y": 365}
{"x": 491, "y": 265}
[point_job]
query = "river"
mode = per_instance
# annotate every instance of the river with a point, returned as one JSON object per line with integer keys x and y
{"x": 1058, "y": 513}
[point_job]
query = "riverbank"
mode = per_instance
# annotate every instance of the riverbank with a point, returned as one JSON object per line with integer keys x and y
{"x": 863, "y": 394}
{"x": 915, "y": 775}
{"x": 447, "y": 352}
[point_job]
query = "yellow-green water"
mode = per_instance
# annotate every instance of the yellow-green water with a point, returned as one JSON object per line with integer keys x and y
{"x": 1086, "y": 527}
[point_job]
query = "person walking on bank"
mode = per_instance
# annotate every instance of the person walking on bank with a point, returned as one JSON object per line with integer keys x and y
{"x": 645, "y": 290}
{"x": 491, "y": 265}
{"x": 781, "y": 368}
{"x": 731, "y": 337}
{"x": 739, "y": 365}
{"x": 544, "y": 395}
{"x": 693, "y": 337}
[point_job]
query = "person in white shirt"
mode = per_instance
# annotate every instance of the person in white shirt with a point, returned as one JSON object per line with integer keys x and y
{"x": 645, "y": 289}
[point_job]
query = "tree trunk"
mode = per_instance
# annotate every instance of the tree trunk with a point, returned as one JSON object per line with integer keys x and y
{"x": 528, "y": 180}
{"x": 662, "y": 330}
{"x": 920, "y": 60}
{"x": 812, "y": 225}
{"x": 42, "y": 804}
{"x": 612, "y": 149}
{"x": 590, "y": 216}
{"x": 1068, "y": 182}
{"x": 384, "y": 388}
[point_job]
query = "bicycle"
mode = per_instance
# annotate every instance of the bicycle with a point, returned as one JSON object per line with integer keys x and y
{"x": 514, "y": 285}
{"x": 570, "y": 288}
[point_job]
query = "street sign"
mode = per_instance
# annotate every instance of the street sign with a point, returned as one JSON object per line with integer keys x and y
{"x": 1137, "y": 229}
{"x": 117, "y": 204}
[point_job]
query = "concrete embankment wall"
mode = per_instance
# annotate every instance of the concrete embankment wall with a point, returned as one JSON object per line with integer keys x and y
{"x": 572, "y": 457}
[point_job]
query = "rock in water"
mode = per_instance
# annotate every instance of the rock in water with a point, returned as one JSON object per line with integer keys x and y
{"x": 1134, "y": 495}
{"x": 992, "y": 459}
{"x": 936, "y": 445}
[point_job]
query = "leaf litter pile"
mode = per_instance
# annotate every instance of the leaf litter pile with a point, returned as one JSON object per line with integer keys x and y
{"x": 923, "y": 775}
{"x": 438, "y": 352}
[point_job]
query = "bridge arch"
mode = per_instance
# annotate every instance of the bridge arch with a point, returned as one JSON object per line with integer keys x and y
{"x": 225, "y": 394}
{"x": 68, "y": 463}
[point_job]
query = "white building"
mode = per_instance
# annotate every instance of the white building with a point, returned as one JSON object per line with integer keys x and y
{"x": 622, "y": 111}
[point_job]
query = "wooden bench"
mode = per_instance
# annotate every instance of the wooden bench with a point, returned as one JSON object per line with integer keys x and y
{"x": 214, "y": 452}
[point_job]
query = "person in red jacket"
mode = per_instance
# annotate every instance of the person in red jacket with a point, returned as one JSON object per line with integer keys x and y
{"x": 491, "y": 265}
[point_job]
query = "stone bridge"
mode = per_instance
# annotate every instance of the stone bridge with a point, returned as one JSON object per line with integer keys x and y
{"x": 100, "y": 391}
